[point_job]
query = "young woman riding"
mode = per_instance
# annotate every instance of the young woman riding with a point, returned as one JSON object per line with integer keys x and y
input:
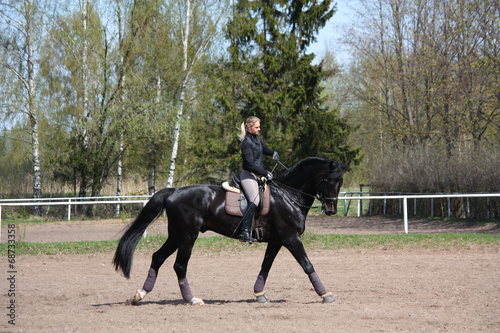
{"x": 252, "y": 153}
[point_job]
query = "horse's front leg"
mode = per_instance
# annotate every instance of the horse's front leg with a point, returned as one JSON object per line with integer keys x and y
{"x": 296, "y": 247}
{"x": 271, "y": 252}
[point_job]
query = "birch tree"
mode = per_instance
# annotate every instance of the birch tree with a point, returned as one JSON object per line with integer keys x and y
{"x": 121, "y": 80}
{"x": 85, "y": 101}
{"x": 192, "y": 51}
{"x": 18, "y": 57}
{"x": 88, "y": 91}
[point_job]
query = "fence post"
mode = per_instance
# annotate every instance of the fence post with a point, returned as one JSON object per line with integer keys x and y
{"x": 468, "y": 207}
{"x": 1, "y": 223}
{"x": 69, "y": 210}
{"x": 432, "y": 207}
{"x": 345, "y": 204}
{"x": 359, "y": 206}
{"x": 145, "y": 230}
{"x": 449, "y": 207}
{"x": 405, "y": 209}
{"x": 360, "y": 202}
{"x": 488, "y": 207}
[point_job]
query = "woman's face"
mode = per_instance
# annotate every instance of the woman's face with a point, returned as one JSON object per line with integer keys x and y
{"x": 255, "y": 129}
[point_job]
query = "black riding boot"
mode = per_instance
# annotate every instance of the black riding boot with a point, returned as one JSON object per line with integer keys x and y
{"x": 245, "y": 221}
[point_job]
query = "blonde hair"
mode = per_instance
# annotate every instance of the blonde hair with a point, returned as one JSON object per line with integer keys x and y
{"x": 243, "y": 128}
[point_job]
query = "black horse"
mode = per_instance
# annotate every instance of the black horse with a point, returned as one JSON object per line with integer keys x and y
{"x": 198, "y": 208}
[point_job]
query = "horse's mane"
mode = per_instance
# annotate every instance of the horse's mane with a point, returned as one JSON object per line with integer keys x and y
{"x": 298, "y": 168}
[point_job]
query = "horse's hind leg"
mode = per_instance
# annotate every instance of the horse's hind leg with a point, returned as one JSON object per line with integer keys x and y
{"x": 158, "y": 259}
{"x": 180, "y": 268}
{"x": 258, "y": 288}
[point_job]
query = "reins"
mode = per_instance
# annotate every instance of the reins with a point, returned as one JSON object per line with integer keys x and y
{"x": 281, "y": 186}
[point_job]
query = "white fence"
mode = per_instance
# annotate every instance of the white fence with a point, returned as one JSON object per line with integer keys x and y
{"x": 135, "y": 199}
{"x": 405, "y": 197}
{"x": 74, "y": 201}
{"x": 70, "y": 202}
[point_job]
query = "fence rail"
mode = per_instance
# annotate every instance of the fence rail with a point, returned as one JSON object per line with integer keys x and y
{"x": 121, "y": 200}
{"x": 405, "y": 197}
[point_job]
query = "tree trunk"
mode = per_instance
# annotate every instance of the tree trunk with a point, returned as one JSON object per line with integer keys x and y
{"x": 86, "y": 111}
{"x": 32, "y": 108}
{"x": 152, "y": 145}
{"x": 119, "y": 175}
{"x": 151, "y": 179}
{"x": 122, "y": 106}
{"x": 407, "y": 120}
{"x": 185, "y": 76}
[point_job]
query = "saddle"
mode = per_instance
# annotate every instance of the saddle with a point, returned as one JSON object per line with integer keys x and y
{"x": 236, "y": 202}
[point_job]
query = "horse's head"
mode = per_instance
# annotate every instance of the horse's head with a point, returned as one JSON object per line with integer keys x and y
{"x": 329, "y": 187}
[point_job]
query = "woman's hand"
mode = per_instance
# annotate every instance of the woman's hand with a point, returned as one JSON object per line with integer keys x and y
{"x": 276, "y": 157}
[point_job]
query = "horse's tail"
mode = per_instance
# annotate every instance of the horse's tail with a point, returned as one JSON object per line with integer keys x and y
{"x": 126, "y": 247}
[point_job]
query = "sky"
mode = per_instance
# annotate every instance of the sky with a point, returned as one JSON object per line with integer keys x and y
{"x": 329, "y": 35}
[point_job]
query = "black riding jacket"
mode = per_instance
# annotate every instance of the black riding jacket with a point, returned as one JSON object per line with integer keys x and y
{"x": 252, "y": 152}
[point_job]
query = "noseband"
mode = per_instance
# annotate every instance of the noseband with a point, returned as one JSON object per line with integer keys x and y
{"x": 321, "y": 191}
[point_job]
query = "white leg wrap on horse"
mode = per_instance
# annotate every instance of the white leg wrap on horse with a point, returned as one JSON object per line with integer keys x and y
{"x": 139, "y": 296}
{"x": 196, "y": 301}
{"x": 143, "y": 293}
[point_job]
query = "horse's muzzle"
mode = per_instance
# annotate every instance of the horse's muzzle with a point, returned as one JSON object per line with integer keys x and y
{"x": 329, "y": 208}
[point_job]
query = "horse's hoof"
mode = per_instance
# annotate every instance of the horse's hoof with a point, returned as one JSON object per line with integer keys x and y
{"x": 262, "y": 298}
{"x": 196, "y": 301}
{"x": 139, "y": 296}
{"x": 328, "y": 298}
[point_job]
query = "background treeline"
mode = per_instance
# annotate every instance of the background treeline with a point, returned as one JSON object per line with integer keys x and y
{"x": 123, "y": 96}
{"x": 424, "y": 89}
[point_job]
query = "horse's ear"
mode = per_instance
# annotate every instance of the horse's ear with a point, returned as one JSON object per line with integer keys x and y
{"x": 334, "y": 164}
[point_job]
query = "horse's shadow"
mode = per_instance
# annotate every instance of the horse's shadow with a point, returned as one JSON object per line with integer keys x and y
{"x": 181, "y": 302}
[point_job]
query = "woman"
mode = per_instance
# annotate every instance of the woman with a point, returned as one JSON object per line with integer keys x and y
{"x": 252, "y": 153}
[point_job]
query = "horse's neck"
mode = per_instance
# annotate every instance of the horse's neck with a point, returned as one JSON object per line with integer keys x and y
{"x": 306, "y": 181}
{"x": 305, "y": 185}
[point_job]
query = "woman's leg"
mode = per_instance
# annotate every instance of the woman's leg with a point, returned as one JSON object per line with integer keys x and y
{"x": 250, "y": 187}
{"x": 251, "y": 190}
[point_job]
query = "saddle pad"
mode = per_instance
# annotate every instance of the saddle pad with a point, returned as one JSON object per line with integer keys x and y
{"x": 233, "y": 203}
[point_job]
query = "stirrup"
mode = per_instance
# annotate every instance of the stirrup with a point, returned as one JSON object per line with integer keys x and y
{"x": 246, "y": 237}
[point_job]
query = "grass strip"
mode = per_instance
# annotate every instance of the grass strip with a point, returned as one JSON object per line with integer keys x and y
{"x": 446, "y": 241}
{"x": 149, "y": 244}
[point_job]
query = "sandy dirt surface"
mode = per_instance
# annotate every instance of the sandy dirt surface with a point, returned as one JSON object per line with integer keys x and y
{"x": 376, "y": 291}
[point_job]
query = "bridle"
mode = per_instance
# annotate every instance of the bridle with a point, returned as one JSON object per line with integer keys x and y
{"x": 320, "y": 195}
{"x": 322, "y": 189}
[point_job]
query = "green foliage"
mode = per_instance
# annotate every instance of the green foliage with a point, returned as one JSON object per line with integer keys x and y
{"x": 134, "y": 77}
{"x": 15, "y": 161}
{"x": 270, "y": 75}
{"x": 327, "y": 135}
{"x": 280, "y": 85}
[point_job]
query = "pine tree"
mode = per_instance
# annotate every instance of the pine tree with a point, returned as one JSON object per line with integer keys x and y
{"x": 278, "y": 82}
